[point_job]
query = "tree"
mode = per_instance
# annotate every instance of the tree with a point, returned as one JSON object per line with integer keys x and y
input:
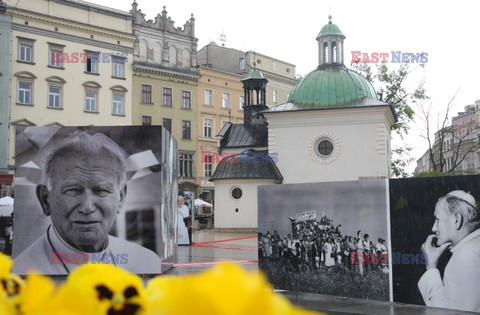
{"x": 453, "y": 143}
{"x": 390, "y": 85}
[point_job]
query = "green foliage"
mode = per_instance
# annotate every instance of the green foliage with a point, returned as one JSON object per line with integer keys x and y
{"x": 432, "y": 174}
{"x": 390, "y": 85}
{"x": 400, "y": 159}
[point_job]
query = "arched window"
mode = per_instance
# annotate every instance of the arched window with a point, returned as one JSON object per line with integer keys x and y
{"x": 325, "y": 52}
{"x": 334, "y": 52}
{"x": 340, "y": 57}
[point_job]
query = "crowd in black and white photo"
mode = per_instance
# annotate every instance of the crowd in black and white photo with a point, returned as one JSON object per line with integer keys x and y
{"x": 318, "y": 244}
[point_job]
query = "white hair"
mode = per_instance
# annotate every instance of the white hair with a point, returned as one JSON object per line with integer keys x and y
{"x": 82, "y": 142}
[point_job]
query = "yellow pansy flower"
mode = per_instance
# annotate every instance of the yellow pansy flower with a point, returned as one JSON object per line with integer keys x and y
{"x": 101, "y": 289}
{"x": 226, "y": 289}
{"x": 10, "y": 286}
{"x": 37, "y": 295}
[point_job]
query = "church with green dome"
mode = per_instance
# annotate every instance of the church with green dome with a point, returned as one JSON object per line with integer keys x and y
{"x": 331, "y": 84}
{"x": 332, "y": 128}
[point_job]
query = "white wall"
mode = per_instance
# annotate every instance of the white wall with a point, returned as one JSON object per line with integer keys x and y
{"x": 362, "y": 138}
{"x": 226, "y": 215}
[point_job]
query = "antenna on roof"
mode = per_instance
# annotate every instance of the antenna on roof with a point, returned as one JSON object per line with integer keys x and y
{"x": 223, "y": 38}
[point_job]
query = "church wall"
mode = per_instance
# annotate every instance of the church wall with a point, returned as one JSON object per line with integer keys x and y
{"x": 226, "y": 214}
{"x": 361, "y": 144}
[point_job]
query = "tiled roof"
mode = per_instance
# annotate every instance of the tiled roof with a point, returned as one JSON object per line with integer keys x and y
{"x": 237, "y": 136}
{"x": 250, "y": 164}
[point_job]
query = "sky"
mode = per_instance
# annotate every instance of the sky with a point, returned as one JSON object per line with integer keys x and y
{"x": 447, "y": 30}
{"x": 355, "y": 205}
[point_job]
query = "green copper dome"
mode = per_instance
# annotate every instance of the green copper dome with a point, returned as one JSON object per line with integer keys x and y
{"x": 254, "y": 74}
{"x": 330, "y": 87}
{"x": 330, "y": 29}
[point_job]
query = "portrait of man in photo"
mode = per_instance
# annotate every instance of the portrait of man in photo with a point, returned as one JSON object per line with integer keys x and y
{"x": 457, "y": 229}
{"x": 83, "y": 190}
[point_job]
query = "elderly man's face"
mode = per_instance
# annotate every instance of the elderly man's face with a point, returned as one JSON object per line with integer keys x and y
{"x": 444, "y": 226}
{"x": 85, "y": 199}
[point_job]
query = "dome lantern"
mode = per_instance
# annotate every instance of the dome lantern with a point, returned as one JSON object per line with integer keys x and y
{"x": 330, "y": 44}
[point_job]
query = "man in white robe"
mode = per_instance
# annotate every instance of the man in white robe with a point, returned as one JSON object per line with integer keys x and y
{"x": 85, "y": 188}
{"x": 457, "y": 222}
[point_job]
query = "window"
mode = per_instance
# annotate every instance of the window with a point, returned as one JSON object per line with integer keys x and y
{"x": 54, "y": 96}
{"x": 167, "y": 96}
{"x": 118, "y": 67}
{"x": 225, "y": 100}
{"x": 118, "y": 100}
{"x": 55, "y": 56}
{"x": 242, "y": 63}
{"x": 24, "y": 92}
{"x": 93, "y": 59}
{"x": 325, "y": 148}
{"x": 186, "y": 129}
{"x": 186, "y": 165}
{"x": 208, "y": 165}
{"x": 186, "y": 103}
{"x": 146, "y": 94}
{"x": 237, "y": 193}
{"x": 118, "y": 107}
{"x": 25, "y": 50}
{"x": 241, "y": 102}
{"x": 275, "y": 96}
{"x": 146, "y": 120}
{"x": 167, "y": 123}
{"x": 207, "y": 97}
{"x": 207, "y": 128}
{"x": 90, "y": 101}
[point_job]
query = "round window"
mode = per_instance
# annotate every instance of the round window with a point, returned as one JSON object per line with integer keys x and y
{"x": 325, "y": 147}
{"x": 236, "y": 193}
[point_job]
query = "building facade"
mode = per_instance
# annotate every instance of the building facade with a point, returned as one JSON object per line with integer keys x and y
{"x": 280, "y": 74}
{"x": 456, "y": 148}
{"x": 220, "y": 101}
{"x": 71, "y": 65}
{"x": 165, "y": 83}
{"x": 5, "y": 75}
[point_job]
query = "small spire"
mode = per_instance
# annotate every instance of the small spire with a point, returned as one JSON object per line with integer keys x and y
{"x": 330, "y": 19}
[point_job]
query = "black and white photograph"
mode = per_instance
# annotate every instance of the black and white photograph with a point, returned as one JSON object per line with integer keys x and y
{"x": 94, "y": 194}
{"x": 327, "y": 238}
{"x": 437, "y": 218}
